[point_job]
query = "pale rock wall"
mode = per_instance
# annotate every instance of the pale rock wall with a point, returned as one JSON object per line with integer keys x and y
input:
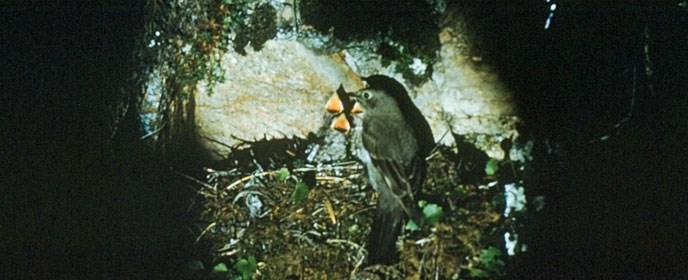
{"x": 275, "y": 93}
{"x": 465, "y": 98}
{"x": 281, "y": 91}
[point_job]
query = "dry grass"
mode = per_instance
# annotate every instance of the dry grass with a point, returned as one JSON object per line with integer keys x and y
{"x": 323, "y": 236}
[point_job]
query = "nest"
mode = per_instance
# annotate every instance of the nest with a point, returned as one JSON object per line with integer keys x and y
{"x": 321, "y": 234}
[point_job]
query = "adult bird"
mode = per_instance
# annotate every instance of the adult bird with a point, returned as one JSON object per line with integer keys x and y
{"x": 395, "y": 140}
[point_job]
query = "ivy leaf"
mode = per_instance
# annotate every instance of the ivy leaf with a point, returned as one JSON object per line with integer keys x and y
{"x": 422, "y": 203}
{"x": 489, "y": 255}
{"x": 283, "y": 174}
{"x": 412, "y": 226}
{"x": 432, "y": 213}
{"x": 246, "y": 267}
{"x": 479, "y": 273}
{"x": 220, "y": 267}
{"x": 195, "y": 266}
{"x": 491, "y": 167}
{"x": 498, "y": 201}
{"x": 458, "y": 193}
{"x": 354, "y": 228}
{"x": 300, "y": 192}
{"x": 490, "y": 260}
{"x": 491, "y": 265}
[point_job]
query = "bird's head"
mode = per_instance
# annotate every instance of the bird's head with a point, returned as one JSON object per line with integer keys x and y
{"x": 371, "y": 101}
{"x": 382, "y": 96}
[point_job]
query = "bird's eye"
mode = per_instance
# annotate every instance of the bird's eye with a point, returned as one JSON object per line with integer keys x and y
{"x": 367, "y": 95}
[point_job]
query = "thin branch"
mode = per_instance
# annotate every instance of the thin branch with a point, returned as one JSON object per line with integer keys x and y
{"x": 647, "y": 63}
{"x": 204, "y": 184}
{"x": 211, "y": 225}
{"x": 154, "y": 132}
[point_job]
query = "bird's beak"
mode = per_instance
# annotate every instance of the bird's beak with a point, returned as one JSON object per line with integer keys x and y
{"x": 341, "y": 124}
{"x": 356, "y": 109}
{"x": 334, "y": 105}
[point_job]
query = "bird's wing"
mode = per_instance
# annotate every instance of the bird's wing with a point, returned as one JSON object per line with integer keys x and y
{"x": 399, "y": 172}
{"x": 396, "y": 178}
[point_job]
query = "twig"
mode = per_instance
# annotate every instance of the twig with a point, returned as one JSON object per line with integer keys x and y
{"x": 351, "y": 165}
{"x": 648, "y": 65}
{"x": 437, "y": 145}
{"x": 360, "y": 255}
{"x": 343, "y": 241}
{"x": 247, "y": 178}
{"x": 217, "y": 142}
{"x": 227, "y": 254}
{"x": 302, "y": 169}
{"x": 330, "y": 211}
{"x": 153, "y": 132}
{"x": 204, "y": 231}
{"x": 330, "y": 178}
{"x": 361, "y": 211}
{"x": 194, "y": 180}
{"x": 244, "y": 193}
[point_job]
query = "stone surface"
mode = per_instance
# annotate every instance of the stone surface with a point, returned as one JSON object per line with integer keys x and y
{"x": 281, "y": 91}
{"x": 275, "y": 93}
{"x": 466, "y": 98}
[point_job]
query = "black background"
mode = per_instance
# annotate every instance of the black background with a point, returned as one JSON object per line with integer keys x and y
{"x": 74, "y": 206}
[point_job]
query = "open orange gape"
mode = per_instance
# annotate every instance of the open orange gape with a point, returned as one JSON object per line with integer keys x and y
{"x": 341, "y": 104}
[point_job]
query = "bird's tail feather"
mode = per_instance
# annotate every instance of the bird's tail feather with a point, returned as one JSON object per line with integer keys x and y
{"x": 382, "y": 240}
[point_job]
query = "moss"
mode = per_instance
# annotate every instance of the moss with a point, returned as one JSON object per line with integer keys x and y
{"x": 406, "y": 29}
{"x": 261, "y": 27}
{"x": 181, "y": 47}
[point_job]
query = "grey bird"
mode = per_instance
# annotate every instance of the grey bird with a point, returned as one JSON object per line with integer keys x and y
{"x": 395, "y": 139}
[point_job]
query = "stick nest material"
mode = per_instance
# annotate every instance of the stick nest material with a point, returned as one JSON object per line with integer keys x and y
{"x": 323, "y": 236}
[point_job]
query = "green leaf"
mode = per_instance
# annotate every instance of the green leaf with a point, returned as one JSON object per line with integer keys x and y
{"x": 491, "y": 265}
{"x": 353, "y": 228}
{"x": 490, "y": 260}
{"x": 195, "y": 266}
{"x": 489, "y": 255}
{"x": 220, "y": 267}
{"x": 412, "y": 226}
{"x": 432, "y": 213}
{"x": 479, "y": 273}
{"x": 247, "y": 267}
{"x": 220, "y": 271}
{"x": 422, "y": 203}
{"x": 300, "y": 192}
{"x": 299, "y": 163}
{"x": 491, "y": 167}
{"x": 498, "y": 201}
{"x": 458, "y": 193}
{"x": 283, "y": 174}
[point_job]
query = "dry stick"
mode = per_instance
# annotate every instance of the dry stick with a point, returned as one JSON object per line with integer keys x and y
{"x": 303, "y": 169}
{"x": 360, "y": 248}
{"x": 194, "y": 179}
{"x": 330, "y": 211}
{"x": 350, "y": 165}
{"x": 249, "y": 177}
{"x": 153, "y": 132}
{"x": 204, "y": 231}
